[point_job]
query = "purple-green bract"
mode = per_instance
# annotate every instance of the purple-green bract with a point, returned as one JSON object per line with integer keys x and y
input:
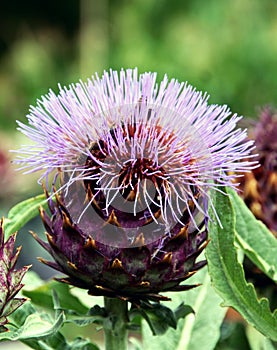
{"x": 136, "y": 160}
{"x": 10, "y": 278}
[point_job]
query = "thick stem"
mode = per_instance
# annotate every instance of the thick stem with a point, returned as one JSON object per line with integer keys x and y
{"x": 116, "y": 333}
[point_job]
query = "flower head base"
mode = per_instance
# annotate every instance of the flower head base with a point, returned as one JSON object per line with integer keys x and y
{"x": 10, "y": 279}
{"x": 137, "y": 160}
{"x": 135, "y": 273}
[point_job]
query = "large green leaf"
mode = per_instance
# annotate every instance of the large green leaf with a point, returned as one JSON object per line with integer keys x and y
{"x": 40, "y": 292}
{"x": 40, "y": 331}
{"x": 35, "y": 326}
{"x": 197, "y": 331}
{"x": 257, "y": 341}
{"x": 227, "y": 273}
{"x": 258, "y": 243}
{"x": 23, "y": 212}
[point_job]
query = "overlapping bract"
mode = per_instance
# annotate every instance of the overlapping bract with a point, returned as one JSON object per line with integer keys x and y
{"x": 134, "y": 273}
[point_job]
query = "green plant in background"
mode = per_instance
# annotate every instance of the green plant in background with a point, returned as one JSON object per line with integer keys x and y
{"x": 139, "y": 179}
{"x": 228, "y": 49}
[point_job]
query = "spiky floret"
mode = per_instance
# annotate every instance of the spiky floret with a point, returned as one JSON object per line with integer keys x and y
{"x": 111, "y": 130}
{"x": 10, "y": 278}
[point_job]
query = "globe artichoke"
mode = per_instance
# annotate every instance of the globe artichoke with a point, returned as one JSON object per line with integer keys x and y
{"x": 133, "y": 164}
{"x": 10, "y": 278}
{"x": 259, "y": 187}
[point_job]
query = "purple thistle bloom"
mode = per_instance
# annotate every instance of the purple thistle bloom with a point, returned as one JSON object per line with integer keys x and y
{"x": 189, "y": 143}
{"x": 160, "y": 148}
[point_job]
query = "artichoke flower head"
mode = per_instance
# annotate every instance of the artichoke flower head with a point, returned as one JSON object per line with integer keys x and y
{"x": 134, "y": 162}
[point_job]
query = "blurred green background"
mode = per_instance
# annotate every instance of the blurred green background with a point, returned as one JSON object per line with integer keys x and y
{"x": 227, "y": 48}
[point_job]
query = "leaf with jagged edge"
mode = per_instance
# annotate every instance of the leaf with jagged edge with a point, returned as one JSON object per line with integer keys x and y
{"x": 40, "y": 331}
{"x": 258, "y": 243}
{"x": 227, "y": 273}
{"x": 35, "y": 325}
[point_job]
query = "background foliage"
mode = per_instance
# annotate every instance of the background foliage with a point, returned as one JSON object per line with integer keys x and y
{"x": 227, "y": 48}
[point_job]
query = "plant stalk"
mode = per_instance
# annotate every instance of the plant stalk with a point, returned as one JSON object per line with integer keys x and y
{"x": 115, "y": 330}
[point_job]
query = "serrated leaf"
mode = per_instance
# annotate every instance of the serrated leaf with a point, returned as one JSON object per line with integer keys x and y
{"x": 23, "y": 212}
{"x": 40, "y": 331}
{"x": 19, "y": 316}
{"x": 21, "y": 319}
{"x": 227, "y": 273}
{"x": 35, "y": 326}
{"x": 258, "y": 243}
{"x": 197, "y": 331}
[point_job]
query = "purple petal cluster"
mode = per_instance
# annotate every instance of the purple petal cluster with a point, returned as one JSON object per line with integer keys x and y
{"x": 128, "y": 123}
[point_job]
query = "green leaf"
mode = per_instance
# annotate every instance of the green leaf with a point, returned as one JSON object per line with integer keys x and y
{"x": 54, "y": 342}
{"x": 136, "y": 343}
{"x": 183, "y": 311}
{"x": 40, "y": 331}
{"x": 257, "y": 341}
{"x": 42, "y": 296}
{"x": 227, "y": 273}
{"x": 86, "y": 299}
{"x": 23, "y": 212}
{"x": 258, "y": 243}
{"x": 158, "y": 317}
{"x": 96, "y": 314}
{"x": 233, "y": 337}
{"x": 36, "y": 326}
{"x": 83, "y": 344}
{"x": 197, "y": 331}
